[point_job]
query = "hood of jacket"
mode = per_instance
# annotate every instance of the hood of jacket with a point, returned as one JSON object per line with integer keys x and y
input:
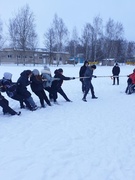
{"x": 26, "y": 73}
{"x": 7, "y": 75}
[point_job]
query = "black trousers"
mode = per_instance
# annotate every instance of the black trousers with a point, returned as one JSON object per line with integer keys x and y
{"x": 61, "y": 92}
{"x": 42, "y": 96}
{"x": 50, "y": 90}
{"x": 114, "y": 80}
{"x": 83, "y": 85}
{"x": 5, "y": 105}
{"x": 21, "y": 100}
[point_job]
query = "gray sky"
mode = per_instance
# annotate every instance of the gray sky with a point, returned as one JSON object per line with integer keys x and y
{"x": 75, "y": 13}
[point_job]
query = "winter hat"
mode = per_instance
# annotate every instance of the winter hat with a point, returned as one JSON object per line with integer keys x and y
{"x": 46, "y": 70}
{"x": 35, "y": 72}
{"x": 60, "y": 70}
{"x": 7, "y": 75}
{"x": 28, "y": 72}
{"x": 93, "y": 66}
{"x": 86, "y": 62}
{"x": 43, "y": 71}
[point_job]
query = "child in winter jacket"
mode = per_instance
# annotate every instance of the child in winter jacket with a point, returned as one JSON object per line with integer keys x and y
{"x": 87, "y": 82}
{"x": 131, "y": 83}
{"x": 81, "y": 74}
{"x": 48, "y": 79}
{"x": 11, "y": 89}
{"x": 37, "y": 87}
{"x": 57, "y": 85}
{"x": 22, "y": 84}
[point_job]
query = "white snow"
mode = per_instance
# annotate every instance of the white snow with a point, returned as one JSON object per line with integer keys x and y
{"x": 92, "y": 140}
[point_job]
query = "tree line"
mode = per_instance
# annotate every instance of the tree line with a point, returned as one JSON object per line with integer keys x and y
{"x": 95, "y": 43}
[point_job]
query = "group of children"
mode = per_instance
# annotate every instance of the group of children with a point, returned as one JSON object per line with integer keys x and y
{"x": 39, "y": 83}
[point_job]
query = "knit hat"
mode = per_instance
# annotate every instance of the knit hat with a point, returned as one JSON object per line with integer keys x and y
{"x": 93, "y": 66}
{"x": 60, "y": 70}
{"x": 7, "y": 75}
{"x": 35, "y": 72}
{"x": 46, "y": 70}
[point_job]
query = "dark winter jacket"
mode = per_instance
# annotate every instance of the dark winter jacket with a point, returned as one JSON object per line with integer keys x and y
{"x": 1, "y": 97}
{"x": 89, "y": 74}
{"x": 10, "y": 87}
{"x": 82, "y": 70}
{"x": 22, "y": 84}
{"x": 36, "y": 83}
{"x": 116, "y": 70}
{"x": 58, "y": 83}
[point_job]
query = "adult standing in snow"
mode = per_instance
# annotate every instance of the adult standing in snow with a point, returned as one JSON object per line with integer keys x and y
{"x": 116, "y": 72}
{"x": 87, "y": 82}
{"x": 81, "y": 74}
{"x": 37, "y": 87}
{"x": 22, "y": 84}
{"x": 56, "y": 85}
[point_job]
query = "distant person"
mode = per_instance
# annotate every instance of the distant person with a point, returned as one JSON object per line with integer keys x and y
{"x": 81, "y": 74}
{"x": 87, "y": 82}
{"x": 116, "y": 72}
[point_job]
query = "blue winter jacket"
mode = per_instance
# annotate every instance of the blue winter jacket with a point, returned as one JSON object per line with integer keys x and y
{"x": 22, "y": 84}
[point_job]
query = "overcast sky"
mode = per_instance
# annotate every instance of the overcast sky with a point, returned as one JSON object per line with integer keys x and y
{"x": 75, "y": 13}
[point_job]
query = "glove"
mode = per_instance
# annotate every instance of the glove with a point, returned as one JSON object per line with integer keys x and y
{"x": 72, "y": 78}
{"x": 95, "y": 76}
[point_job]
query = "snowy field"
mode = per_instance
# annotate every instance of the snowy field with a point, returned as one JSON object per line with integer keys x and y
{"x": 93, "y": 140}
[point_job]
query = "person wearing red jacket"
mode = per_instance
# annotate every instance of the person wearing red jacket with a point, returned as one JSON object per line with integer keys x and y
{"x": 131, "y": 83}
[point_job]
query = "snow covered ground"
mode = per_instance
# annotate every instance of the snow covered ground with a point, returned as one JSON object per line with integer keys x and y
{"x": 92, "y": 140}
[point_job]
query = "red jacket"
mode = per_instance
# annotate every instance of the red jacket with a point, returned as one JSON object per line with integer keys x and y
{"x": 132, "y": 76}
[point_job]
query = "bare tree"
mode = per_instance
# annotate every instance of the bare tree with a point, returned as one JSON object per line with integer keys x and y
{"x": 113, "y": 35}
{"x": 97, "y": 35}
{"x": 61, "y": 35}
{"x": 2, "y": 40}
{"x": 22, "y": 30}
{"x": 86, "y": 39}
{"x": 130, "y": 49}
{"x": 49, "y": 42}
{"x": 75, "y": 40}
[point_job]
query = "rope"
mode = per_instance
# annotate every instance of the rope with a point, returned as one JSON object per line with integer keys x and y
{"x": 101, "y": 77}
